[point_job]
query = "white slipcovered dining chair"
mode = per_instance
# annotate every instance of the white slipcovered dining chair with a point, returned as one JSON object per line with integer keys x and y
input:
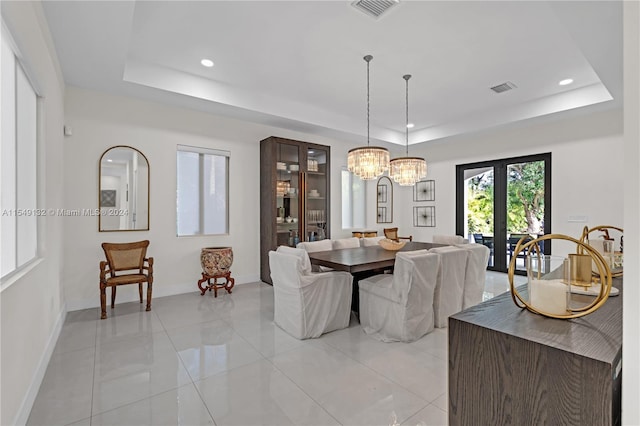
{"x": 344, "y": 243}
{"x": 371, "y": 241}
{"x": 449, "y": 239}
{"x": 475, "y": 273}
{"x": 307, "y": 304}
{"x": 448, "y": 295}
{"x": 314, "y": 246}
{"x": 399, "y": 306}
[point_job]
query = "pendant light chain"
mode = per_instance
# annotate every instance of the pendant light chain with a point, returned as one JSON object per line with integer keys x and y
{"x": 406, "y": 170}
{"x": 368, "y": 58}
{"x": 406, "y": 79}
{"x": 368, "y": 162}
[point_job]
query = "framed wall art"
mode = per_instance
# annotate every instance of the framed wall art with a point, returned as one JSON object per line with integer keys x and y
{"x": 425, "y": 191}
{"x": 382, "y": 193}
{"x": 424, "y": 216}
{"x": 384, "y": 200}
{"x": 108, "y": 198}
{"x": 382, "y": 215}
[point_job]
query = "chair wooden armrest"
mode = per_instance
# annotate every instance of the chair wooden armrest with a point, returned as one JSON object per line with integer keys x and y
{"x": 104, "y": 270}
{"x": 149, "y": 266}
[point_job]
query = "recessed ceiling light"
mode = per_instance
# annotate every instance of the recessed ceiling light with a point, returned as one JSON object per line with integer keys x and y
{"x": 207, "y": 63}
{"x": 109, "y": 160}
{"x": 565, "y": 81}
{"x": 410, "y": 126}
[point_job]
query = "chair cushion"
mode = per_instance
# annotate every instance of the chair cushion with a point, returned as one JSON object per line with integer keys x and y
{"x": 344, "y": 243}
{"x": 127, "y": 279}
{"x": 305, "y": 262}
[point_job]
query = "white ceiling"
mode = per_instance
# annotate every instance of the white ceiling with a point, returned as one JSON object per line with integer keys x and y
{"x": 299, "y": 64}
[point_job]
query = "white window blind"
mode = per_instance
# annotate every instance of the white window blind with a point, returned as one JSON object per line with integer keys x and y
{"x": 202, "y": 191}
{"x": 353, "y": 201}
{"x": 18, "y": 163}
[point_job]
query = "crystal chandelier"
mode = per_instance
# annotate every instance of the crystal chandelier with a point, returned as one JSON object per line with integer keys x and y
{"x": 407, "y": 170}
{"x": 368, "y": 162}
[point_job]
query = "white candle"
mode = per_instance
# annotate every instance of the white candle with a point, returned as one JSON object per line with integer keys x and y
{"x": 549, "y": 296}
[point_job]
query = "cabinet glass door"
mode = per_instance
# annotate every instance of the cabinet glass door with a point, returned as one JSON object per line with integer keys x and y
{"x": 315, "y": 193}
{"x": 288, "y": 220}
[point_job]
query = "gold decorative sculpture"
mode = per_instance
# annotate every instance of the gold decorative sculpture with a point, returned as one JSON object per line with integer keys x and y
{"x": 615, "y": 261}
{"x": 569, "y": 275}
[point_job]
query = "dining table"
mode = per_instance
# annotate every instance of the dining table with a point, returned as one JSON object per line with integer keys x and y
{"x": 363, "y": 262}
{"x": 364, "y": 259}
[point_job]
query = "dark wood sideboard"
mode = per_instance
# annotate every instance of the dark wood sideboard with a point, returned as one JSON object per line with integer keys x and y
{"x": 510, "y": 366}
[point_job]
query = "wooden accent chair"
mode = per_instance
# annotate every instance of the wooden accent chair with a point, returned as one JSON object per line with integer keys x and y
{"x": 130, "y": 258}
{"x": 392, "y": 234}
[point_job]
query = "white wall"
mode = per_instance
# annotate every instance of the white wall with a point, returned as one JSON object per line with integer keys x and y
{"x": 587, "y": 173}
{"x": 631, "y": 314}
{"x": 32, "y": 307}
{"x": 100, "y": 121}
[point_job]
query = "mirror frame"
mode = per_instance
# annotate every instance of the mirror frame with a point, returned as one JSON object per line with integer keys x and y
{"x": 388, "y": 197}
{"x": 100, "y": 190}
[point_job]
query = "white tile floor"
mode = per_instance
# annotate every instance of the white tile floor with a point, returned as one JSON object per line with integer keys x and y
{"x": 197, "y": 360}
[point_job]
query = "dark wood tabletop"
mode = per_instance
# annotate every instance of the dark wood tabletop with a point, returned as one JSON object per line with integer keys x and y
{"x": 362, "y": 259}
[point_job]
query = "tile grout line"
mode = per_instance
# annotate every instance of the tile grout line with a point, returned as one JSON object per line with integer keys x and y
{"x": 302, "y": 390}
{"x": 265, "y": 358}
{"x": 383, "y": 375}
{"x": 193, "y": 383}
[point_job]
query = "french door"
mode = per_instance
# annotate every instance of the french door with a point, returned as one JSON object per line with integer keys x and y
{"x": 500, "y": 201}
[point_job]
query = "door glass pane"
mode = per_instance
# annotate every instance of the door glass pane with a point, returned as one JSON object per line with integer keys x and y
{"x": 316, "y": 192}
{"x": 525, "y": 205}
{"x": 287, "y": 195}
{"x": 479, "y": 224}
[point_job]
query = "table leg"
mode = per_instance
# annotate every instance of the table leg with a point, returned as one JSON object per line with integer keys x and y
{"x": 355, "y": 295}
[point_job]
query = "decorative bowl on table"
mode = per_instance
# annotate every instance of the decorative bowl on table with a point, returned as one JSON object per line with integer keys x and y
{"x": 388, "y": 244}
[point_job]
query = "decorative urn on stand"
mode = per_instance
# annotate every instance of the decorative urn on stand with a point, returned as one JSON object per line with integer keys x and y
{"x": 216, "y": 263}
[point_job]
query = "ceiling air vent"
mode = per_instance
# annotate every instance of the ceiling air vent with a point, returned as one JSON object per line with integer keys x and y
{"x": 374, "y": 8}
{"x": 503, "y": 87}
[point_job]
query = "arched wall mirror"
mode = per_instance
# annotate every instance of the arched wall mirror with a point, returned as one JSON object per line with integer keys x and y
{"x": 123, "y": 190}
{"x": 384, "y": 200}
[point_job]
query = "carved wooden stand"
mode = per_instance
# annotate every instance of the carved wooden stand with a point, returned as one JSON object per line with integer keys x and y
{"x": 228, "y": 285}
